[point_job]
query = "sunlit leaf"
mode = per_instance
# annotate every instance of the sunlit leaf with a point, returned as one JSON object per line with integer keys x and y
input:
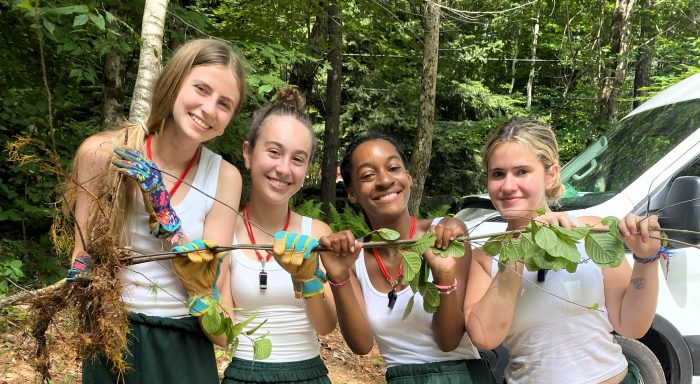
{"x": 454, "y": 249}
{"x": 262, "y": 348}
{"x": 546, "y": 239}
{"x": 493, "y": 246}
{"x": 604, "y": 249}
{"x": 388, "y": 234}
{"x": 411, "y": 265}
{"x": 423, "y": 243}
{"x": 254, "y": 329}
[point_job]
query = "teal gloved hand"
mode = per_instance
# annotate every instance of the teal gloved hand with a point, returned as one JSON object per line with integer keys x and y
{"x": 293, "y": 252}
{"x": 198, "y": 273}
{"x": 163, "y": 220}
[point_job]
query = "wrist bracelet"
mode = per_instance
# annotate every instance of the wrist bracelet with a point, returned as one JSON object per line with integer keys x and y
{"x": 340, "y": 283}
{"x": 445, "y": 288}
{"x": 448, "y": 291}
{"x": 663, "y": 252}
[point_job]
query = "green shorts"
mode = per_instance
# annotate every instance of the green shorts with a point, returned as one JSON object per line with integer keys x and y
{"x": 633, "y": 375}
{"x": 161, "y": 350}
{"x": 311, "y": 371}
{"x": 474, "y": 371}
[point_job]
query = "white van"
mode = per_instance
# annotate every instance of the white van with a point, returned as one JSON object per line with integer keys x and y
{"x": 649, "y": 163}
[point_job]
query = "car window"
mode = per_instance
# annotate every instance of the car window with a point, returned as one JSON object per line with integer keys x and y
{"x": 626, "y": 152}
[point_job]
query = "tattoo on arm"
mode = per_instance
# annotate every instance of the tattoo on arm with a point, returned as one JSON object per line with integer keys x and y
{"x": 639, "y": 282}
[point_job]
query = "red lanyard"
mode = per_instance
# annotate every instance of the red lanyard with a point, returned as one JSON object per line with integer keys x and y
{"x": 249, "y": 229}
{"x": 172, "y": 190}
{"x": 399, "y": 273}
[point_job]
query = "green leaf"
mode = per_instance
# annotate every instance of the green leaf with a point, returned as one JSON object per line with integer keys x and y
{"x": 238, "y": 328}
{"x": 604, "y": 249}
{"x": 253, "y": 330}
{"x": 50, "y": 27}
{"x": 212, "y": 323}
{"x": 80, "y": 20}
{"x": 67, "y": 10}
{"x": 454, "y": 249}
{"x": 409, "y": 307}
{"x": 423, "y": 243}
{"x": 411, "y": 265}
{"x": 569, "y": 234}
{"x": 388, "y": 234}
{"x": 234, "y": 346}
{"x": 540, "y": 211}
{"x": 265, "y": 88}
{"x": 595, "y": 306}
{"x": 566, "y": 250}
{"x": 262, "y": 348}
{"x": 431, "y": 298}
{"x": 16, "y": 264}
{"x": 493, "y": 245}
{"x": 98, "y": 20}
{"x": 611, "y": 223}
{"x": 546, "y": 239}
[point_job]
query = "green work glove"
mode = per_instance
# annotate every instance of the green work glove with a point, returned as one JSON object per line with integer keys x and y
{"x": 163, "y": 220}
{"x": 293, "y": 252}
{"x": 198, "y": 273}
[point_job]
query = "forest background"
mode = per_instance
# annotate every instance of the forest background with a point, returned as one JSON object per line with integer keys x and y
{"x": 68, "y": 69}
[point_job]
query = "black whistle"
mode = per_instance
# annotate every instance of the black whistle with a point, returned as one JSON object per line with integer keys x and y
{"x": 263, "y": 280}
{"x": 392, "y": 298}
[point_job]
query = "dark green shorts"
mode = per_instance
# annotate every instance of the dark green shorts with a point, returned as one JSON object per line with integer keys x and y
{"x": 161, "y": 350}
{"x": 633, "y": 375}
{"x": 474, "y": 371}
{"x": 311, "y": 371}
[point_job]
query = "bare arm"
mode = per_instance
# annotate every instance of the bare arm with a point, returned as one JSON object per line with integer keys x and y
{"x": 631, "y": 294}
{"x": 490, "y": 303}
{"x": 349, "y": 303}
{"x": 92, "y": 163}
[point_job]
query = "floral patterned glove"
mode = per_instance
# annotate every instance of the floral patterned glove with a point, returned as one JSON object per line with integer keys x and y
{"x": 163, "y": 221}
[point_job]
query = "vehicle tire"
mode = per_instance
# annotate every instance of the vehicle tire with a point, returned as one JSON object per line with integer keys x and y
{"x": 643, "y": 358}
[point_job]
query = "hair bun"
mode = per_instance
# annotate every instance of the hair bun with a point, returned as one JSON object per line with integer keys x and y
{"x": 292, "y": 97}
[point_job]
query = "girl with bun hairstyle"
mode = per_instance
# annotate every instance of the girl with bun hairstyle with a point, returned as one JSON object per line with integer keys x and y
{"x": 292, "y": 299}
{"x": 549, "y": 339}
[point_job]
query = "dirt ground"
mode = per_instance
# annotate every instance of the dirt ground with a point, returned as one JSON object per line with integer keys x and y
{"x": 16, "y": 351}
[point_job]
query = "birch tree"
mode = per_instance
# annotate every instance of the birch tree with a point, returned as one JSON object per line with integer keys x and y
{"x": 152, "y": 29}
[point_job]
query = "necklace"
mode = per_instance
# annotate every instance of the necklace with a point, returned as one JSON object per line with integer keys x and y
{"x": 393, "y": 282}
{"x": 175, "y": 186}
{"x": 268, "y": 256}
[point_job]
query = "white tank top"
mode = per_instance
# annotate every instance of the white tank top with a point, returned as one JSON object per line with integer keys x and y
{"x": 152, "y": 288}
{"x": 407, "y": 341}
{"x": 292, "y": 336}
{"x": 552, "y": 341}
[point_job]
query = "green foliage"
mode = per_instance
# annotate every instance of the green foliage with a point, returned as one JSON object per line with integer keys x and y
{"x": 217, "y": 323}
{"x": 554, "y": 247}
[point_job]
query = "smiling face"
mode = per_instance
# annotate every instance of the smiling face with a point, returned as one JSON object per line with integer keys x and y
{"x": 206, "y": 102}
{"x": 380, "y": 184}
{"x": 279, "y": 160}
{"x": 517, "y": 182}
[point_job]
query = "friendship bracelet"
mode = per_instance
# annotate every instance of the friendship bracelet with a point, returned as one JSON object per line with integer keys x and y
{"x": 663, "y": 252}
{"x": 341, "y": 283}
{"x": 448, "y": 291}
{"x": 445, "y": 288}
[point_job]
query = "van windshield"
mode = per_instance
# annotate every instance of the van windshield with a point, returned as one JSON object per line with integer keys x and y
{"x": 614, "y": 161}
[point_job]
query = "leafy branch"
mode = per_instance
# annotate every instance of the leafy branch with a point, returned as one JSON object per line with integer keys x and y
{"x": 217, "y": 323}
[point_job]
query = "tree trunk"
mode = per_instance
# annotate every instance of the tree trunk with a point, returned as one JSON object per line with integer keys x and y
{"x": 303, "y": 73}
{"x": 533, "y": 53}
{"x": 330, "y": 134}
{"x": 420, "y": 161}
{"x": 619, "y": 47}
{"x": 645, "y": 53}
{"x": 149, "y": 59}
{"x": 113, "y": 90}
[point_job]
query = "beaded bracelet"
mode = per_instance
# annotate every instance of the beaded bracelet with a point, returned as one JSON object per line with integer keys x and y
{"x": 663, "y": 252}
{"x": 447, "y": 291}
{"x": 447, "y": 288}
{"x": 341, "y": 283}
